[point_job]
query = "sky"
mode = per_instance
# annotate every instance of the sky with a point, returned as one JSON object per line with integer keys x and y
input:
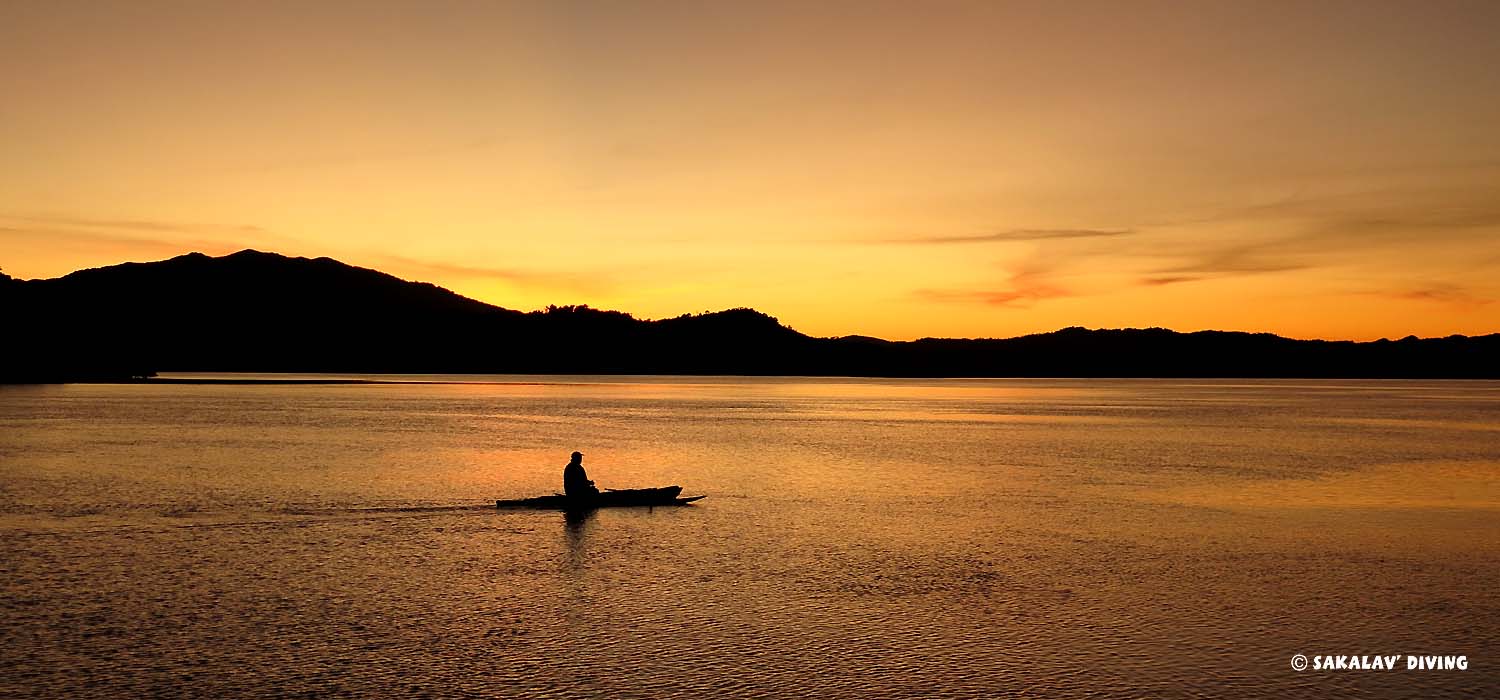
{"x": 901, "y": 170}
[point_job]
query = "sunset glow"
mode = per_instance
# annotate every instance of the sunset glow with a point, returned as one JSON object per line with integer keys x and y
{"x": 890, "y": 169}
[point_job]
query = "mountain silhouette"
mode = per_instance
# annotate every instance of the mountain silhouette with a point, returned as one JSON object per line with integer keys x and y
{"x": 262, "y": 312}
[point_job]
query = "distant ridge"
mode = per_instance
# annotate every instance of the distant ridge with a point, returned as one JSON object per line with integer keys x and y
{"x": 262, "y": 312}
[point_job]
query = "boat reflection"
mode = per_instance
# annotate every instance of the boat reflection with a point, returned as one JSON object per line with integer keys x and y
{"x": 576, "y": 524}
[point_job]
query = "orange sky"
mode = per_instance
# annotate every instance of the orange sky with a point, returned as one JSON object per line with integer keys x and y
{"x": 892, "y": 169}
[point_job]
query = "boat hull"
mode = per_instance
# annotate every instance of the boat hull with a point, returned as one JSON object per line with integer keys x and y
{"x": 622, "y": 498}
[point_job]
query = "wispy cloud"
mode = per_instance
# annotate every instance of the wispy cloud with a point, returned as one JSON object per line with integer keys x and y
{"x": 592, "y": 282}
{"x": 1440, "y": 293}
{"x": 1384, "y": 228}
{"x": 1030, "y": 283}
{"x": 1162, "y": 281}
{"x": 18, "y": 222}
{"x": 337, "y": 160}
{"x": 1197, "y": 260}
{"x": 448, "y": 269}
{"x": 1238, "y": 259}
{"x": 1400, "y": 208}
{"x": 122, "y": 246}
{"x": 60, "y": 236}
{"x": 117, "y": 240}
{"x": 1369, "y": 234}
{"x": 58, "y": 244}
{"x": 1015, "y": 235}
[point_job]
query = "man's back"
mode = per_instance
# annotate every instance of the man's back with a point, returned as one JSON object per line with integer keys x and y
{"x": 576, "y": 481}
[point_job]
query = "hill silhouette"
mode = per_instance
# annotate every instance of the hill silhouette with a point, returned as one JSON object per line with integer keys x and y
{"x": 262, "y": 312}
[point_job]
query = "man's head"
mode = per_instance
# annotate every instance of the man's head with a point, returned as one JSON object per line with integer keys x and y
{"x": 577, "y": 456}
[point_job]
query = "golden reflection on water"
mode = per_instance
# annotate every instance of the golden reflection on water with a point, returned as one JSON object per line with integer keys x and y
{"x": 861, "y": 538}
{"x": 1408, "y": 485}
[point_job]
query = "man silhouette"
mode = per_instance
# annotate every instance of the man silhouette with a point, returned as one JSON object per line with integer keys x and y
{"x": 576, "y": 482}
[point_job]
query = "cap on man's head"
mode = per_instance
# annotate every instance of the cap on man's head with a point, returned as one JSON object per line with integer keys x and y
{"x": 577, "y": 454}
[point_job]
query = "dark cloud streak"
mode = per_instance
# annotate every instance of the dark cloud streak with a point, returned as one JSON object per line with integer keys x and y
{"x": 1170, "y": 279}
{"x": 130, "y": 225}
{"x": 1015, "y": 235}
{"x": 1440, "y": 292}
{"x": 63, "y": 236}
{"x": 1326, "y": 231}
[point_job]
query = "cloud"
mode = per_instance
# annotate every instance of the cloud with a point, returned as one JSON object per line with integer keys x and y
{"x": 1435, "y": 227}
{"x": 1014, "y": 235}
{"x": 1028, "y": 284}
{"x": 1233, "y": 261}
{"x": 337, "y": 160}
{"x": 1440, "y": 293}
{"x": 65, "y": 222}
{"x": 593, "y": 282}
{"x": 95, "y": 243}
{"x": 456, "y": 270}
{"x": 1401, "y": 214}
{"x": 56, "y": 244}
{"x": 116, "y": 240}
{"x": 1430, "y": 231}
{"x": 64, "y": 236}
{"x": 1012, "y": 297}
{"x": 1166, "y": 280}
{"x": 1238, "y": 259}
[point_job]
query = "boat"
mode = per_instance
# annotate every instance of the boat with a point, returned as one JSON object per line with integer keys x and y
{"x": 610, "y": 498}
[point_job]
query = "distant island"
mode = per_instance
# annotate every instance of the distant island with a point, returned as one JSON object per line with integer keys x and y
{"x": 262, "y": 312}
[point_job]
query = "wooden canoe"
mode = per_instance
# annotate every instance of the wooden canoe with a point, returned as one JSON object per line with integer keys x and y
{"x": 613, "y": 498}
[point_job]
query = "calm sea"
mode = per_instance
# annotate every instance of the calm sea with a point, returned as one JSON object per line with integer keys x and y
{"x": 860, "y": 539}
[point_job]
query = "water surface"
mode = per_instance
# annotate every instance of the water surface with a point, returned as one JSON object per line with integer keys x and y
{"x": 862, "y": 538}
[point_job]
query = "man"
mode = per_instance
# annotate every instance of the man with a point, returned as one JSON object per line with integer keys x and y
{"x": 576, "y": 482}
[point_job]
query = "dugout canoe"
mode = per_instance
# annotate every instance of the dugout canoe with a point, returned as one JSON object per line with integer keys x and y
{"x": 612, "y": 498}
